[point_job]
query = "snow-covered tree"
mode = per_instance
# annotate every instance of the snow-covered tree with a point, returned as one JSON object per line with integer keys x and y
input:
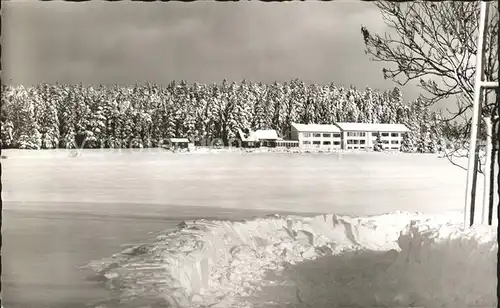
{"x": 145, "y": 115}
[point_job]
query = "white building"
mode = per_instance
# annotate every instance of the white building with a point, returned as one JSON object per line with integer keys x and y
{"x": 266, "y": 137}
{"x": 363, "y": 136}
{"x": 317, "y": 136}
{"x": 262, "y": 137}
{"x": 178, "y": 143}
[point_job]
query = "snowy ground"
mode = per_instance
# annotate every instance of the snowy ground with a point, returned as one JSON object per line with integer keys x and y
{"x": 357, "y": 183}
{"x": 67, "y": 211}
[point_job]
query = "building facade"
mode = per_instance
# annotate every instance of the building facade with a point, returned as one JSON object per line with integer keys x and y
{"x": 348, "y": 136}
{"x": 364, "y": 136}
{"x": 316, "y": 136}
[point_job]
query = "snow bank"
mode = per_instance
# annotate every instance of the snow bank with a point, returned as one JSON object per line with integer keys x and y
{"x": 219, "y": 262}
{"x": 213, "y": 259}
{"x": 446, "y": 266}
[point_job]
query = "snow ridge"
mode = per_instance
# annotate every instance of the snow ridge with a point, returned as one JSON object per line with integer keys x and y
{"x": 211, "y": 263}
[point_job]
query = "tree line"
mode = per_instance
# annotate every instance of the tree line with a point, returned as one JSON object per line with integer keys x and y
{"x": 48, "y": 116}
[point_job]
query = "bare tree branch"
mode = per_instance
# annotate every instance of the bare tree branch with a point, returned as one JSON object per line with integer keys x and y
{"x": 436, "y": 45}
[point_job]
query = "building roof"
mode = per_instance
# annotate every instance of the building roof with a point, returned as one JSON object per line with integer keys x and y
{"x": 265, "y": 134}
{"x": 320, "y": 128}
{"x": 259, "y": 135}
{"x": 251, "y": 136}
{"x": 372, "y": 127}
{"x": 242, "y": 135}
{"x": 175, "y": 140}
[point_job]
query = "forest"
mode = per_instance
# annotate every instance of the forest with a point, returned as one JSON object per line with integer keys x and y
{"x": 48, "y": 116}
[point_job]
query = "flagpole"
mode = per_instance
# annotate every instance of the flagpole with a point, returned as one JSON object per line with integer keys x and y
{"x": 469, "y": 210}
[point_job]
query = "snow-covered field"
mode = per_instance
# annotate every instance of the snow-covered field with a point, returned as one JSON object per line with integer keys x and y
{"x": 67, "y": 211}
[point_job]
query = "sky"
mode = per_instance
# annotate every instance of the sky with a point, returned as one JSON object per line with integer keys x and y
{"x": 204, "y": 41}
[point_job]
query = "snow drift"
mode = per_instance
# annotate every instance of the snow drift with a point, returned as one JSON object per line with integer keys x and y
{"x": 220, "y": 262}
{"x": 445, "y": 266}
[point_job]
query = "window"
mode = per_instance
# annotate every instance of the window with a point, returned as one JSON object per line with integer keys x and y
{"x": 394, "y": 141}
{"x": 326, "y": 135}
{"x": 375, "y": 134}
{"x": 385, "y": 134}
{"x": 317, "y": 135}
{"x": 327, "y": 142}
{"x": 307, "y": 142}
{"x": 349, "y": 148}
{"x": 356, "y": 141}
{"x": 336, "y": 142}
{"x": 349, "y": 141}
{"x": 385, "y": 141}
{"x": 394, "y": 148}
{"x": 336, "y": 135}
{"x": 362, "y": 141}
{"x": 356, "y": 148}
{"x": 357, "y": 134}
{"x": 394, "y": 135}
{"x": 307, "y": 135}
{"x": 316, "y": 142}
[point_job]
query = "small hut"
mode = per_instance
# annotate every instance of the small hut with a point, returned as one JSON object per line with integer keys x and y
{"x": 179, "y": 143}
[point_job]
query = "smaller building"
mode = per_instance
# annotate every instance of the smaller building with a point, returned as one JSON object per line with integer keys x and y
{"x": 258, "y": 138}
{"x": 178, "y": 143}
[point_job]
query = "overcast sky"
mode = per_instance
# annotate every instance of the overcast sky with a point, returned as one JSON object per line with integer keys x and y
{"x": 125, "y": 42}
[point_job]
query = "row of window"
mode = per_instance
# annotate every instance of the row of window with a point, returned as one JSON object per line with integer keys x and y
{"x": 386, "y": 134}
{"x": 324, "y": 142}
{"x": 355, "y": 141}
{"x": 326, "y": 135}
{"x": 356, "y": 148}
{"x": 351, "y": 141}
{"x": 364, "y": 148}
{"x": 362, "y": 142}
{"x": 349, "y": 134}
{"x": 363, "y": 134}
{"x": 356, "y": 134}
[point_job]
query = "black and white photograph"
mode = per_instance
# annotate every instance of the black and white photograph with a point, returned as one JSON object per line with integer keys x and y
{"x": 241, "y": 154}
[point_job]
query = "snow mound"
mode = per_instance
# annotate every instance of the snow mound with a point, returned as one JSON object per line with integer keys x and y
{"x": 216, "y": 263}
{"x": 446, "y": 266}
